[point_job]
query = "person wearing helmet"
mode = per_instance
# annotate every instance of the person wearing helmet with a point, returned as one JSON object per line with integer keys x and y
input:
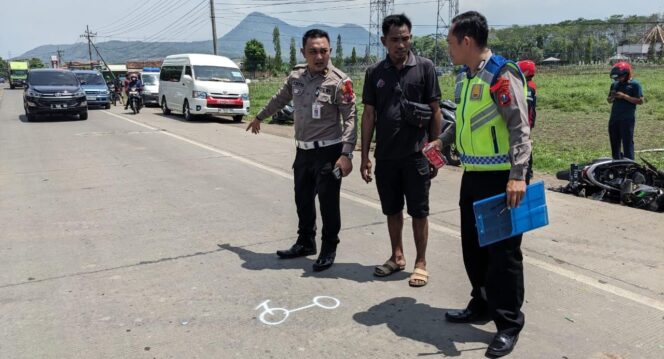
{"x": 134, "y": 81}
{"x": 625, "y": 93}
{"x": 528, "y": 69}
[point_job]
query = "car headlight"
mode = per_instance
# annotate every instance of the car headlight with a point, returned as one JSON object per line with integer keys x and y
{"x": 199, "y": 94}
{"x": 106, "y": 92}
{"x": 79, "y": 93}
{"x": 245, "y": 97}
{"x": 33, "y": 93}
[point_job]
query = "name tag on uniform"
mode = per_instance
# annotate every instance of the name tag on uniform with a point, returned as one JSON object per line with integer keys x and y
{"x": 315, "y": 110}
{"x": 476, "y": 92}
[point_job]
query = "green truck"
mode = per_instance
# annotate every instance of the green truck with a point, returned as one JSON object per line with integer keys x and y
{"x": 18, "y": 73}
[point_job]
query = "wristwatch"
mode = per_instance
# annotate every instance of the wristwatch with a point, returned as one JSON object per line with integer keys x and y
{"x": 349, "y": 155}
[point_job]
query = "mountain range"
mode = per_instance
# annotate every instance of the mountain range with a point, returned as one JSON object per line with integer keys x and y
{"x": 254, "y": 26}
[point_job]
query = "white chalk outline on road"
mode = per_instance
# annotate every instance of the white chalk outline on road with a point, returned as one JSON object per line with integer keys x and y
{"x": 285, "y": 312}
{"x": 592, "y": 282}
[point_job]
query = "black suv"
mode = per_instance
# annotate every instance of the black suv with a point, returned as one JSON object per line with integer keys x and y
{"x": 53, "y": 91}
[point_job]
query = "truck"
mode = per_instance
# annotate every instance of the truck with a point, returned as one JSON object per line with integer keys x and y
{"x": 18, "y": 73}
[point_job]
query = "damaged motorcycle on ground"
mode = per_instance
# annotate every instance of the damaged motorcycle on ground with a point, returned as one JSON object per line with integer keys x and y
{"x": 619, "y": 181}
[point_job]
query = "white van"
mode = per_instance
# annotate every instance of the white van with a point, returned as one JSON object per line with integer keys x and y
{"x": 196, "y": 84}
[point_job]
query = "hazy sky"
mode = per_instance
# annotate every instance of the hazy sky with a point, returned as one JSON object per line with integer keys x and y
{"x": 26, "y": 24}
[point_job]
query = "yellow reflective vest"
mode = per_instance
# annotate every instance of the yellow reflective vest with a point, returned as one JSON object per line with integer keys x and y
{"x": 482, "y": 137}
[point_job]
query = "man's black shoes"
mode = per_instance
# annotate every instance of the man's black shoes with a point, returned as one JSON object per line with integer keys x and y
{"x": 466, "y": 316}
{"x": 502, "y": 344}
{"x": 324, "y": 261}
{"x": 295, "y": 251}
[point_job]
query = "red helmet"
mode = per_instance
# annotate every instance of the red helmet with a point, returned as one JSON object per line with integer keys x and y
{"x": 527, "y": 67}
{"x": 620, "y": 69}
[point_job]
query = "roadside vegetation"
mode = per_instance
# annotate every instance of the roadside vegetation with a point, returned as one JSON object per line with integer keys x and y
{"x": 572, "y": 112}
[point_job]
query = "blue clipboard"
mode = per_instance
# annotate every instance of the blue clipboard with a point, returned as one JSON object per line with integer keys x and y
{"x": 496, "y": 222}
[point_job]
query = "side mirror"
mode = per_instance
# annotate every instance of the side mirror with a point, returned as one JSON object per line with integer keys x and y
{"x": 248, "y": 81}
{"x": 187, "y": 77}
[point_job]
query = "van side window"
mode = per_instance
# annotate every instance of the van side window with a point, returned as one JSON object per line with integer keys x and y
{"x": 171, "y": 73}
{"x": 187, "y": 70}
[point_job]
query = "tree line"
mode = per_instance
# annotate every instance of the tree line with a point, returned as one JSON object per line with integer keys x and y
{"x": 572, "y": 41}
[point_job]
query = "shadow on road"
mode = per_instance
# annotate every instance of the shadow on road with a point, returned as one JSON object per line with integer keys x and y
{"x": 49, "y": 118}
{"x": 349, "y": 271}
{"x": 423, "y": 323}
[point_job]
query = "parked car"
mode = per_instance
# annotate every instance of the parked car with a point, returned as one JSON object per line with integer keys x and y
{"x": 150, "y": 78}
{"x": 2, "y": 80}
{"x": 95, "y": 87}
{"x": 194, "y": 84}
{"x": 53, "y": 91}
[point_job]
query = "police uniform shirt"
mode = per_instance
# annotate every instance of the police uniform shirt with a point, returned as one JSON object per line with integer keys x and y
{"x": 332, "y": 92}
{"x": 515, "y": 115}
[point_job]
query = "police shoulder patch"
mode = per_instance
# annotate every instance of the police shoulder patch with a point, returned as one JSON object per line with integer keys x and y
{"x": 501, "y": 91}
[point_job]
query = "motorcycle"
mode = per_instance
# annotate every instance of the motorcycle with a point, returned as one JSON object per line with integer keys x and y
{"x": 448, "y": 109}
{"x": 135, "y": 101}
{"x": 284, "y": 115}
{"x": 113, "y": 95}
{"x": 619, "y": 181}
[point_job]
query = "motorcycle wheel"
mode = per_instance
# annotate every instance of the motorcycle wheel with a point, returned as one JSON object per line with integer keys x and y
{"x": 133, "y": 106}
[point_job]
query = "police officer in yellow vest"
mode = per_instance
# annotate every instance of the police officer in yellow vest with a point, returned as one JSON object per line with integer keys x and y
{"x": 493, "y": 137}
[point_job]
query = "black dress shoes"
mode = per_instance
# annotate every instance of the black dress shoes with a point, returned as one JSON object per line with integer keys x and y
{"x": 466, "y": 315}
{"x": 295, "y": 251}
{"x": 501, "y": 345}
{"x": 324, "y": 261}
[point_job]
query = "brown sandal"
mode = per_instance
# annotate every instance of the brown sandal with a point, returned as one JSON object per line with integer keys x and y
{"x": 419, "y": 278}
{"x": 390, "y": 267}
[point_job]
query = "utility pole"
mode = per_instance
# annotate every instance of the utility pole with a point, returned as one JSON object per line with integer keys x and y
{"x": 442, "y": 23}
{"x": 61, "y": 54}
{"x": 214, "y": 27}
{"x": 378, "y": 10}
{"x": 102, "y": 60}
{"x": 89, "y": 35}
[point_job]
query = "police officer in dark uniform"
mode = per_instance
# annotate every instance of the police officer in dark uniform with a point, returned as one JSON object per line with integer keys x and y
{"x": 325, "y": 137}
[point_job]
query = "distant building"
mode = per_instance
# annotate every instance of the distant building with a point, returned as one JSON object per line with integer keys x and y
{"x": 639, "y": 52}
{"x": 138, "y": 65}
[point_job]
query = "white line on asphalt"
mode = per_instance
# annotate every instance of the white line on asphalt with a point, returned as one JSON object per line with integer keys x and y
{"x": 592, "y": 282}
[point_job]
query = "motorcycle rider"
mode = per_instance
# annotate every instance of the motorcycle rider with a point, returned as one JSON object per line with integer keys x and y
{"x": 625, "y": 93}
{"x": 117, "y": 88}
{"x": 134, "y": 82}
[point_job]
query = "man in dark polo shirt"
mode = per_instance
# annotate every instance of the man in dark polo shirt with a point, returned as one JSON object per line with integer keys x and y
{"x": 625, "y": 93}
{"x": 401, "y": 168}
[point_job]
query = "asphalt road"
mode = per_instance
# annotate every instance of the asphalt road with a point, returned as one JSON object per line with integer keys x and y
{"x": 144, "y": 236}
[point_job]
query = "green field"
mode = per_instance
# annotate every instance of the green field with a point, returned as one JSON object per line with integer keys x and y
{"x": 572, "y": 113}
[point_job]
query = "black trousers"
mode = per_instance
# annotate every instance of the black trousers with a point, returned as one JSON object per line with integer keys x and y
{"x": 313, "y": 175}
{"x": 621, "y": 131}
{"x": 496, "y": 269}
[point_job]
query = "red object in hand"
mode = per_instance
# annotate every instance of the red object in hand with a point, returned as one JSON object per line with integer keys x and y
{"x": 432, "y": 154}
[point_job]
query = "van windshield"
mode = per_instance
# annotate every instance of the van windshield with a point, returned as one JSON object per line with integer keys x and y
{"x": 217, "y": 73}
{"x": 150, "y": 80}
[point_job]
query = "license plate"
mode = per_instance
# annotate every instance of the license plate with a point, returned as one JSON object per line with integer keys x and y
{"x": 59, "y": 105}
{"x": 91, "y": 98}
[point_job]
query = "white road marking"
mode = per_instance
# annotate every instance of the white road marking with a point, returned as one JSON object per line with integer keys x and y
{"x": 592, "y": 282}
{"x": 285, "y": 312}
